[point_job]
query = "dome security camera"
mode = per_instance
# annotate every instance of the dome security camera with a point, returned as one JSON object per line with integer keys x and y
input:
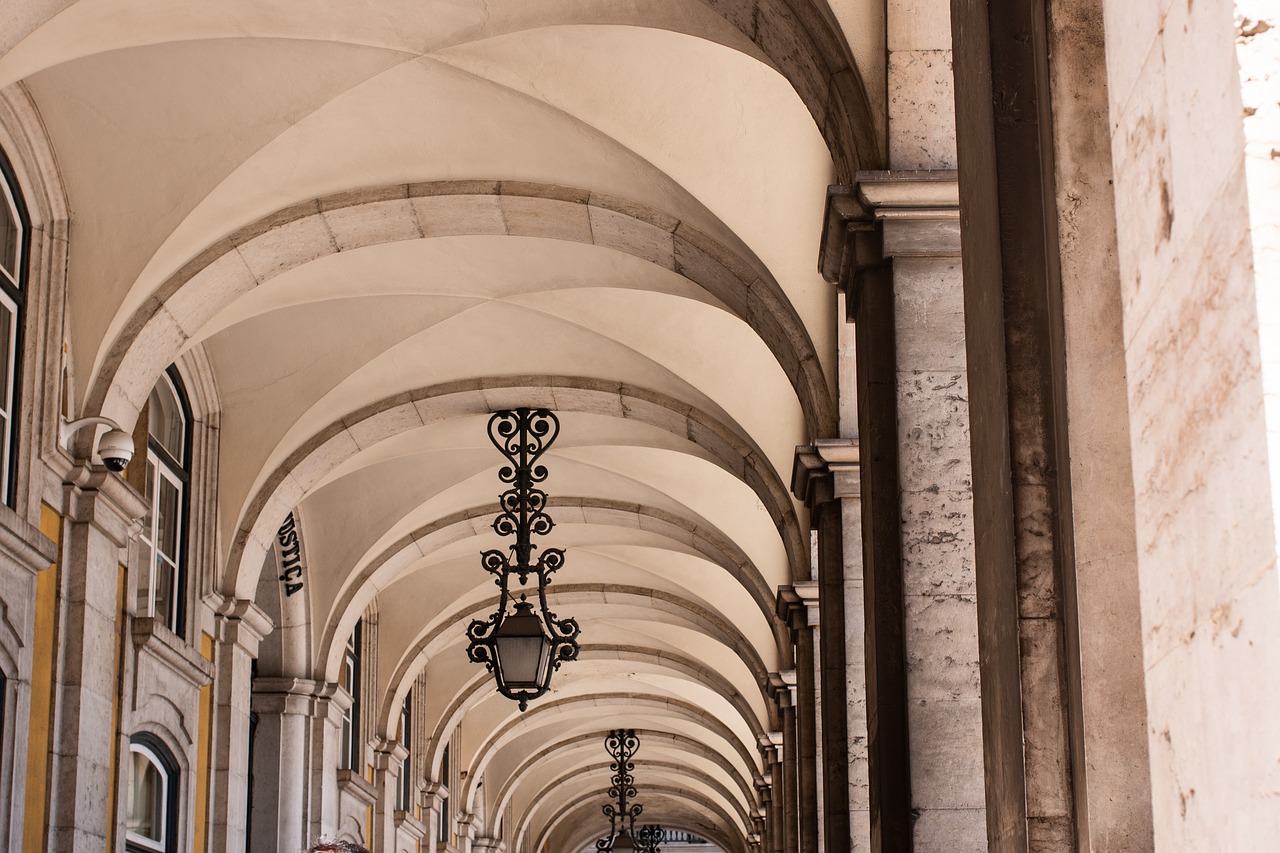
{"x": 116, "y": 449}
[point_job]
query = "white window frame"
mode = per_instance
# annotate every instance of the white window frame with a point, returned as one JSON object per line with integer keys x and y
{"x": 141, "y": 840}
{"x": 15, "y": 280}
{"x": 351, "y": 716}
{"x": 160, "y": 470}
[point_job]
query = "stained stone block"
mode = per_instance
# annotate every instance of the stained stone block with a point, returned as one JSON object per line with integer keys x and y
{"x": 937, "y": 543}
{"x": 942, "y": 648}
{"x": 951, "y": 830}
{"x": 929, "y": 312}
{"x": 373, "y": 223}
{"x": 618, "y": 231}
{"x": 918, "y": 25}
{"x": 452, "y": 215}
{"x": 287, "y": 246}
{"x": 946, "y": 754}
{"x": 379, "y": 426}
{"x": 933, "y": 432}
{"x": 922, "y": 123}
{"x": 215, "y": 287}
{"x": 1044, "y": 721}
{"x": 536, "y": 217}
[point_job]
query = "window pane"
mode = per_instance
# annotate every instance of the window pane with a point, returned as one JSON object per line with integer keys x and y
{"x": 8, "y": 238}
{"x": 165, "y": 421}
{"x": 145, "y": 814}
{"x": 151, "y": 501}
{"x": 164, "y": 592}
{"x": 6, "y": 352}
{"x": 167, "y": 519}
{"x": 144, "y": 582}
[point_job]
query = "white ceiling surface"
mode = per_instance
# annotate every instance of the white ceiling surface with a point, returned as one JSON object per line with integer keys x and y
{"x": 178, "y": 123}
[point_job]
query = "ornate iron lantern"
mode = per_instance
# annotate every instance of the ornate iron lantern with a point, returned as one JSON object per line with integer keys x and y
{"x": 622, "y": 745}
{"x": 521, "y": 646}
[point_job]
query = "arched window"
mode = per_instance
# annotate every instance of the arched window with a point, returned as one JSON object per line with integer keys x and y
{"x": 151, "y": 812}
{"x": 162, "y": 587}
{"x": 15, "y": 242}
{"x": 405, "y": 799}
{"x": 351, "y": 757}
{"x": 444, "y": 832}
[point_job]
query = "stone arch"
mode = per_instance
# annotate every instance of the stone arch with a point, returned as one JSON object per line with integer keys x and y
{"x": 647, "y": 736}
{"x": 678, "y": 794}
{"x": 305, "y": 232}
{"x": 716, "y": 548}
{"x": 602, "y": 768}
{"x": 452, "y": 629}
{"x": 305, "y": 467}
{"x": 690, "y": 712}
{"x": 466, "y": 697}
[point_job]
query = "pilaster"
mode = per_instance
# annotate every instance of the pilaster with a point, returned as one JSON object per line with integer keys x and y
{"x": 239, "y": 627}
{"x": 101, "y": 515}
{"x": 827, "y": 478}
{"x": 388, "y": 758}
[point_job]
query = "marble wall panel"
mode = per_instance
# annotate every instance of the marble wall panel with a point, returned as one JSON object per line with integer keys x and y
{"x": 1205, "y": 523}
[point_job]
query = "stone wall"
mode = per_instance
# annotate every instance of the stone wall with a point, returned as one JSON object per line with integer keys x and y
{"x": 1204, "y": 519}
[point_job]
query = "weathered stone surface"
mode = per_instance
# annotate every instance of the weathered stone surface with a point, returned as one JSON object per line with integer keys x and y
{"x": 921, "y": 110}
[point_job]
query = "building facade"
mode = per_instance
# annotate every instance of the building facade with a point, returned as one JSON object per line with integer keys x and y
{"x": 916, "y": 365}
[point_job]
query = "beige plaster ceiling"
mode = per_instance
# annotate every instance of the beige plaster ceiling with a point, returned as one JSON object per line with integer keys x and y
{"x": 378, "y": 221}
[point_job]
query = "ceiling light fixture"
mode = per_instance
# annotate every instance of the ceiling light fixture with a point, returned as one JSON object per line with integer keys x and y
{"x": 622, "y": 746}
{"x": 523, "y": 647}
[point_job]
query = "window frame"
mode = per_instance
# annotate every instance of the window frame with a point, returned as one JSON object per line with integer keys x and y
{"x": 404, "y": 793}
{"x": 349, "y": 736}
{"x": 178, "y": 474}
{"x": 16, "y": 293}
{"x": 162, "y": 759}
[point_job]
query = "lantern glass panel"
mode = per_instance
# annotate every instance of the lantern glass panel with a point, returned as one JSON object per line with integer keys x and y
{"x": 523, "y": 650}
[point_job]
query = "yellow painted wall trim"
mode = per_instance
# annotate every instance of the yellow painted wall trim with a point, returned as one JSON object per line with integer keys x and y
{"x": 368, "y": 825}
{"x": 204, "y": 733}
{"x": 121, "y": 620}
{"x": 43, "y": 661}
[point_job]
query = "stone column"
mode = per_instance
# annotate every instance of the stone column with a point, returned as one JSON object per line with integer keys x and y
{"x": 288, "y": 710}
{"x": 239, "y": 628}
{"x": 388, "y": 759}
{"x": 325, "y": 737}
{"x": 771, "y": 790}
{"x": 432, "y": 799}
{"x": 826, "y": 478}
{"x": 907, "y": 239}
{"x": 101, "y": 513}
{"x": 764, "y": 812}
{"x": 782, "y": 684}
{"x": 798, "y": 606}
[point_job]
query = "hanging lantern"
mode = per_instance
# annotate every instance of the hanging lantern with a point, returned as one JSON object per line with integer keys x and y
{"x": 520, "y": 645}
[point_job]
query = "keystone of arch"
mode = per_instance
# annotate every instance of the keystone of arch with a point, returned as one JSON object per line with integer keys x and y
{"x": 649, "y": 737}
{"x": 307, "y": 466}
{"x": 709, "y": 542}
{"x": 602, "y": 769}
{"x": 451, "y": 630}
{"x": 297, "y": 235}
{"x": 680, "y": 795}
{"x": 482, "y": 683}
{"x": 679, "y": 708}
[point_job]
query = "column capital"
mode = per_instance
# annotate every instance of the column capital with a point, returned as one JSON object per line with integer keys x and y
{"x": 782, "y": 685}
{"x": 885, "y": 215}
{"x": 826, "y": 470}
{"x": 240, "y": 622}
{"x": 798, "y": 604}
{"x": 388, "y": 755}
{"x": 96, "y": 496}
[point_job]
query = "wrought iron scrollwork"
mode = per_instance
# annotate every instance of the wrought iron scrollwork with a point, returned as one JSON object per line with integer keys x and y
{"x": 522, "y": 436}
{"x": 622, "y": 746}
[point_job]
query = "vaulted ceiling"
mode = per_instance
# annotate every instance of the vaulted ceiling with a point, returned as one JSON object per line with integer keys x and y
{"x": 377, "y": 222}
